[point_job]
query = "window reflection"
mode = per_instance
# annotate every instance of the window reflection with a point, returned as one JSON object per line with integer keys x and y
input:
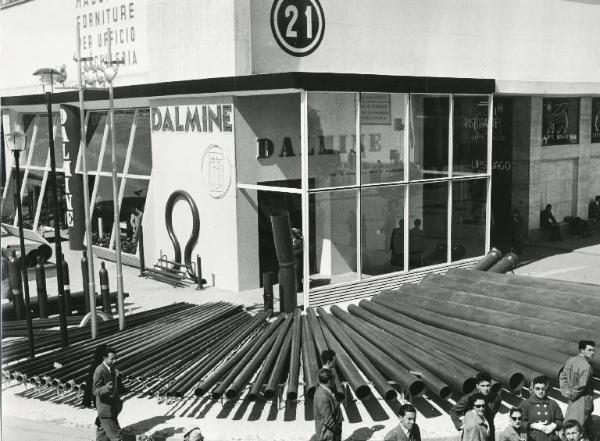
{"x": 382, "y": 210}
{"x": 382, "y": 137}
{"x": 9, "y": 203}
{"x": 131, "y": 213}
{"x": 46, "y": 222}
{"x": 470, "y": 135}
{"x": 428, "y": 227}
{"x": 103, "y": 213}
{"x": 94, "y": 134}
{"x": 332, "y": 139}
{"x": 31, "y": 197}
{"x": 335, "y": 218}
{"x": 141, "y": 155}
{"x": 123, "y": 123}
{"x": 429, "y": 137}
{"x": 468, "y": 218}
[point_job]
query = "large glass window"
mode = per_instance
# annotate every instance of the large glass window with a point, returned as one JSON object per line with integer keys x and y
{"x": 335, "y": 218}
{"x": 103, "y": 212}
{"x": 96, "y": 125}
{"x": 428, "y": 223}
{"x": 123, "y": 124}
{"x": 429, "y": 136}
{"x": 267, "y": 130}
{"x": 332, "y": 139}
{"x": 132, "y": 209}
{"x": 468, "y": 218}
{"x": 141, "y": 154}
{"x": 470, "y": 127}
{"x": 31, "y": 197}
{"x": 383, "y": 124}
{"x": 382, "y": 212}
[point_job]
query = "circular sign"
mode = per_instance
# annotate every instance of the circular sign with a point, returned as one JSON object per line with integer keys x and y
{"x": 216, "y": 171}
{"x": 298, "y": 25}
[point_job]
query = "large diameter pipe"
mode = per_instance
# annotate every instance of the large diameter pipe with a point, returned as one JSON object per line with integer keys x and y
{"x": 309, "y": 360}
{"x": 489, "y": 260}
{"x": 407, "y": 381}
{"x": 489, "y": 301}
{"x": 278, "y": 368}
{"x": 345, "y": 364}
{"x": 321, "y": 345}
{"x": 514, "y": 288}
{"x": 507, "y": 372}
{"x": 272, "y": 346}
{"x": 266, "y": 369}
{"x": 282, "y": 237}
{"x": 434, "y": 367}
{"x": 565, "y": 286}
{"x": 545, "y": 365}
{"x": 498, "y": 318}
{"x": 507, "y": 263}
{"x": 371, "y": 372}
{"x": 294, "y": 371}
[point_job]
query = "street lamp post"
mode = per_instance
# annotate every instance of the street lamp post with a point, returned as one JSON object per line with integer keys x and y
{"x": 86, "y": 203}
{"x": 16, "y": 142}
{"x": 98, "y": 75}
{"x": 48, "y": 76}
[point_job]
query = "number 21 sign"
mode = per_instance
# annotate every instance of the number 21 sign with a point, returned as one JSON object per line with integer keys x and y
{"x": 298, "y": 25}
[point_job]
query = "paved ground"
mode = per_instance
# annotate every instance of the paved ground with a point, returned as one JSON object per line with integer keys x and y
{"x": 29, "y": 415}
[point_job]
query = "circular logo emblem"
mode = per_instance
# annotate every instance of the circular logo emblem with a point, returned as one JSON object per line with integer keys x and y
{"x": 298, "y": 25}
{"x": 216, "y": 171}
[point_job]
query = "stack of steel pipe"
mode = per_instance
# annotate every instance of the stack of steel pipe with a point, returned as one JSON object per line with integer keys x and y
{"x": 18, "y": 328}
{"x": 189, "y": 337}
{"x": 435, "y": 336}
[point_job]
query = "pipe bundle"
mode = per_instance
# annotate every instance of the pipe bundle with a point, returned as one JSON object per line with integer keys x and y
{"x": 434, "y": 337}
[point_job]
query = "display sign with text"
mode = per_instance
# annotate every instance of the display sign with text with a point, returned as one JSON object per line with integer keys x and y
{"x": 560, "y": 121}
{"x": 375, "y": 109}
{"x": 123, "y": 22}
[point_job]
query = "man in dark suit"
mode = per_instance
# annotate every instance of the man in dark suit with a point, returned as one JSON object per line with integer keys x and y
{"x": 408, "y": 429}
{"x": 106, "y": 389}
{"x": 328, "y": 415}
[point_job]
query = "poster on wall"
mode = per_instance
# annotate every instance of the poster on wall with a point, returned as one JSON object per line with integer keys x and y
{"x": 375, "y": 109}
{"x": 560, "y": 121}
{"x": 121, "y": 22}
{"x": 596, "y": 120}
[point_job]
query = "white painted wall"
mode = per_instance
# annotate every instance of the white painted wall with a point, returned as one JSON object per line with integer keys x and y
{"x": 177, "y": 164}
{"x": 512, "y": 40}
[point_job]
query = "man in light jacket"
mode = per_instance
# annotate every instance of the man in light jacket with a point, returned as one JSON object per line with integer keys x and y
{"x": 328, "y": 415}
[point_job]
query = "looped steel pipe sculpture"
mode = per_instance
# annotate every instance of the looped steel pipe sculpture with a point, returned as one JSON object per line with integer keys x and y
{"x": 191, "y": 243}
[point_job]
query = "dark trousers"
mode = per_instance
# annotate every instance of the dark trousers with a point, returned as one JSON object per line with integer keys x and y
{"x": 108, "y": 429}
{"x": 554, "y": 232}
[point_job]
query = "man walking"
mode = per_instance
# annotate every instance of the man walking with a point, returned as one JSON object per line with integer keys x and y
{"x": 326, "y": 409}
{"x": 106, "y": 388}
{"x": 575, "y": 385}
{"x": 408, "y": 429}
{"x": 542, "y": 418}
{"x": 483, "y": 386}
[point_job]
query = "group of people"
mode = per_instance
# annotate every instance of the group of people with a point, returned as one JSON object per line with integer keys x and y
{"x": 416, "y": 243}
{"x": 537, "y": 418}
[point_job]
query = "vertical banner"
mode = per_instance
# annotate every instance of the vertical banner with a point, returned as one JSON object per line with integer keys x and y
{"x": 74, "y": 214}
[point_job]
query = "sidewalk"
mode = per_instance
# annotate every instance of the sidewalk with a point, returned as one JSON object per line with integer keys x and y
{"x": 29, "y": 414}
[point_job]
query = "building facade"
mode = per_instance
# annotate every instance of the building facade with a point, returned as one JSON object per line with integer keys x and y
{"x": 398, "y": 137}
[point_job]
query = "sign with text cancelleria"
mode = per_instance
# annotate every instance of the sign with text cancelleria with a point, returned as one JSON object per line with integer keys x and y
{"x": 122, "y": 22}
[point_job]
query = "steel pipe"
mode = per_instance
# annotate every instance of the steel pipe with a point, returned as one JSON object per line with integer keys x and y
{"x": 489, "y": 260}
{"x": 294, "y": 371}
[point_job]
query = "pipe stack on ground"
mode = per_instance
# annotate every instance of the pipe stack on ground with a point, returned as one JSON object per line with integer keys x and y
{"x": 433, "y": 337}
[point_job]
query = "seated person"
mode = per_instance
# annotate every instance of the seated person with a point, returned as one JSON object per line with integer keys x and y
{"x": 397, "y": 245}
{"x": 548, "y": 223}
